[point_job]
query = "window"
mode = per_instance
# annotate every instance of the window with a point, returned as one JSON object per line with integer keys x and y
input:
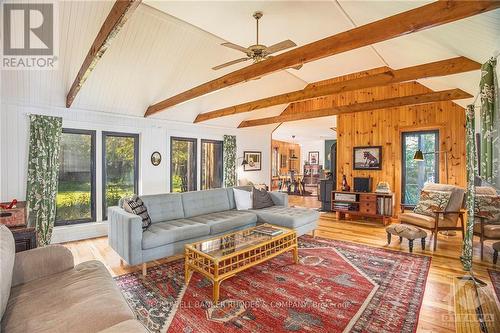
{"x": 417, "y": 173}
{"x": 120, "y": 167}
{"x": 182, "y": 164}
{"x": 211, "y": 164}
{"x": 76, "y": 189}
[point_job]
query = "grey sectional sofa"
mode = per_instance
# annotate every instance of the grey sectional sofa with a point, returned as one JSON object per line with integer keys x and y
{"x": 181, "y": 218}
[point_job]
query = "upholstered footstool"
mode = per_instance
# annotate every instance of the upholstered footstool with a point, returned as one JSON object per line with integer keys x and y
{"x": 496, "y": 248}
{"x": 406, "y": 231}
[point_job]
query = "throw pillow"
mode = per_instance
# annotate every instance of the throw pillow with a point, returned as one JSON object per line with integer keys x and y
{"x": 243, "y": 199}
{"x": 261, "y": 198}
{"x": 136, "y": 206}
{"x": 487, "y": 206}
{"x": 431, "y": 201}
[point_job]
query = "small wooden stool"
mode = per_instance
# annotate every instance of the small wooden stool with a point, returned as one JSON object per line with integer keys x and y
{"x": 496, "y": 248}
{"x": 406, "y": 231}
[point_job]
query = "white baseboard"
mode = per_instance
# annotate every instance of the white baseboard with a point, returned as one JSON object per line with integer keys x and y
{"x": 69, "y": 233}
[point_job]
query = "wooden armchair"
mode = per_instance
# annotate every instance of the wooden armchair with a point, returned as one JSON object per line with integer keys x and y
{"x": 487, "y": 219}
{"x": 443, "y": 220}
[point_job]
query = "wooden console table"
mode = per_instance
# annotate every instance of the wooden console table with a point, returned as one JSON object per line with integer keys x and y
{"x": 373, "y": 205}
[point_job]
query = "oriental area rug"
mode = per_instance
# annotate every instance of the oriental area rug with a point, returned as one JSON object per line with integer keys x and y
{"x": 336, "y": 287}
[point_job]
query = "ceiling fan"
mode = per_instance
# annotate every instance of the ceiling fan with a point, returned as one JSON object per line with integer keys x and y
{"x": 257, "y": 52}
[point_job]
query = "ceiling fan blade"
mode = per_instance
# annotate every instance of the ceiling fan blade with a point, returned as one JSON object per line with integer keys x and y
{"x": 235, "y": 47}
{"x": 286, "y": 44}
{"x": 230, "y": 63}
{"x": 297, "y": 67}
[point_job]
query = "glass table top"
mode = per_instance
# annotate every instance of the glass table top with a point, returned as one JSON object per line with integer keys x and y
{"x": 238, "y": 241}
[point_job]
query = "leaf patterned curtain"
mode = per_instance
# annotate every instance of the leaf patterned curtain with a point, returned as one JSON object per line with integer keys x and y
{"x": 490, "y": 144}
{"x": 471, "y": 167}
{"x": 43, "y": 169}
{"x": 229, "y": 162}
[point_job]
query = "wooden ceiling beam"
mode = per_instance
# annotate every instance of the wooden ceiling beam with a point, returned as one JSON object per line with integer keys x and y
{"x": 431, "y": 97}
{"x": 438, "y": 68}
{"x": 118, "y": 15}
{"x": 418, "y": 19}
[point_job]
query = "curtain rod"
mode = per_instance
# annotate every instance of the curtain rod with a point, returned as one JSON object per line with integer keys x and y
{"x": 495, "y": 56}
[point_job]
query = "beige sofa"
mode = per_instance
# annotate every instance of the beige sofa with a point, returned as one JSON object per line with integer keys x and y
{"x": 42, "y": 291}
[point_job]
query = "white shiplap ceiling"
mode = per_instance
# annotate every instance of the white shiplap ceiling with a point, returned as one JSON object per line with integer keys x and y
{"x": 169, "y": 46}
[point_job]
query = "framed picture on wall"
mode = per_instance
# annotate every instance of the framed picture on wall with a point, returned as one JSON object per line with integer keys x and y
{"x": 367, "y": 158}
{"x": 313, "y": 157}
{"x": 254, "y": 159}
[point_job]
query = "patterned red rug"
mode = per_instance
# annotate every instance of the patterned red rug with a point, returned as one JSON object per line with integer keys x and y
{"x": 495, "y": 280}
{"x": 337, "y": 287}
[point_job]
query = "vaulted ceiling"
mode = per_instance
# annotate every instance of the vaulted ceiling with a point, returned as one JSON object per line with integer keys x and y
{"x": 167, "y": 47}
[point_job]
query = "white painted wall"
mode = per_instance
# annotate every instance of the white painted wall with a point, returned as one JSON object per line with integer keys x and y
{"x": 308, "y": 146}
{"x": 154, "y": 135}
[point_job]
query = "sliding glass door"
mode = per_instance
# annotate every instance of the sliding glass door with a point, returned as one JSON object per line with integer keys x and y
{"x": 416, "y": 173}
{"x": 183, "y": 172}
{"x": 76, "y": 189}
{"x": 211, "y": 164}
{"x": 120, "y": 167}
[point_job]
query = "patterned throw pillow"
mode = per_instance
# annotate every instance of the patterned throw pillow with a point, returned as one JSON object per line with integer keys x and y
{"x": 431, "y": 201}
{"x": 136, "y": 206}
{"x": 488, "y": 206}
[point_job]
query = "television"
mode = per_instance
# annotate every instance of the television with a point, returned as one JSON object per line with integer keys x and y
{"x": 362, "y": 184}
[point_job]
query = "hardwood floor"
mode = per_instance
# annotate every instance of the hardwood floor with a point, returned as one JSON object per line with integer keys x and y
{"x": 437, "y": 312}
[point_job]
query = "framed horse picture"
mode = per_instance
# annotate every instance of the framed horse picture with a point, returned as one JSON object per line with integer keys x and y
{"x": 367, "y": 158}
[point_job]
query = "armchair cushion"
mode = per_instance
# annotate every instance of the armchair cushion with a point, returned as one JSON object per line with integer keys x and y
{"x": 491, "y": 231}
{"x": 424, "y": 221}
{"x": 41, "y": 262}
{"x": 431, "y": 201}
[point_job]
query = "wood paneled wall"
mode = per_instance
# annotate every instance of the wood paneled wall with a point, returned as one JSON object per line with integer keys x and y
{"x": 284, "y": 148}
{"x": 385, "y": 127}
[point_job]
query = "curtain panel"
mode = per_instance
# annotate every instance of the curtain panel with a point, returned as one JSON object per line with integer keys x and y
{"x": 489, "y": 119}
{"x": 471, "y": 166}
{"x": 43, "y": 169}
{"x": 229, "y": 160}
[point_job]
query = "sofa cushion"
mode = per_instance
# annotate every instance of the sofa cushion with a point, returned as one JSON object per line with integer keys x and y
{"x": 167, "y": 232}
{"x": 164, "y": 207}
{"x": 84, "y": 299}
{"x": 243, "y": 199}
{"x": 230, "y": 194}
{"x": 205, "y": 202}
{"x": 487, "y": 206}
{"x": 288, "y": 217}
{"x": 225, "y": 221}
{"x": 7, "y": 255}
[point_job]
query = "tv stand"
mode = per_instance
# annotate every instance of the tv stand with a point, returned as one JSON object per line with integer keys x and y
{"x": 363, "y": 204}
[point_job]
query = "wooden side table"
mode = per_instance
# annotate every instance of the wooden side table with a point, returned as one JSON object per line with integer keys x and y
{"x": 24, "y": 237}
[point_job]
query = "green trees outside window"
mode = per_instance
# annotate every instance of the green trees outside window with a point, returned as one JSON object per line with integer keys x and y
{"x": 75, "y": 201}
{"x": 183, "y": 171}
{"x": 120, "y": 167}
{"x": 416, "y": 173}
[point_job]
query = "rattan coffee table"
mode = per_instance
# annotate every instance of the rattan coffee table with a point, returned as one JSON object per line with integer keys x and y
{"x": 223, "y": 257}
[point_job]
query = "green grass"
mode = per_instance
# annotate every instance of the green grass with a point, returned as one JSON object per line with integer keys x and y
{"x": 73, "y": 199}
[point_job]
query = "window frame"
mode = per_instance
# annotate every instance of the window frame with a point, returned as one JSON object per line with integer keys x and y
{"x": 195, "y": 145}
{"x": 403, "y": 157}
{"x": 93, "y": 185}
{"x": 104, "y": 135}
{"x": 221, "y": 142}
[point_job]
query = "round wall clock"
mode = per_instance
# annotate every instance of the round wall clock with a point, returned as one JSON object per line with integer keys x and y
{"x": 156, "y": 158}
